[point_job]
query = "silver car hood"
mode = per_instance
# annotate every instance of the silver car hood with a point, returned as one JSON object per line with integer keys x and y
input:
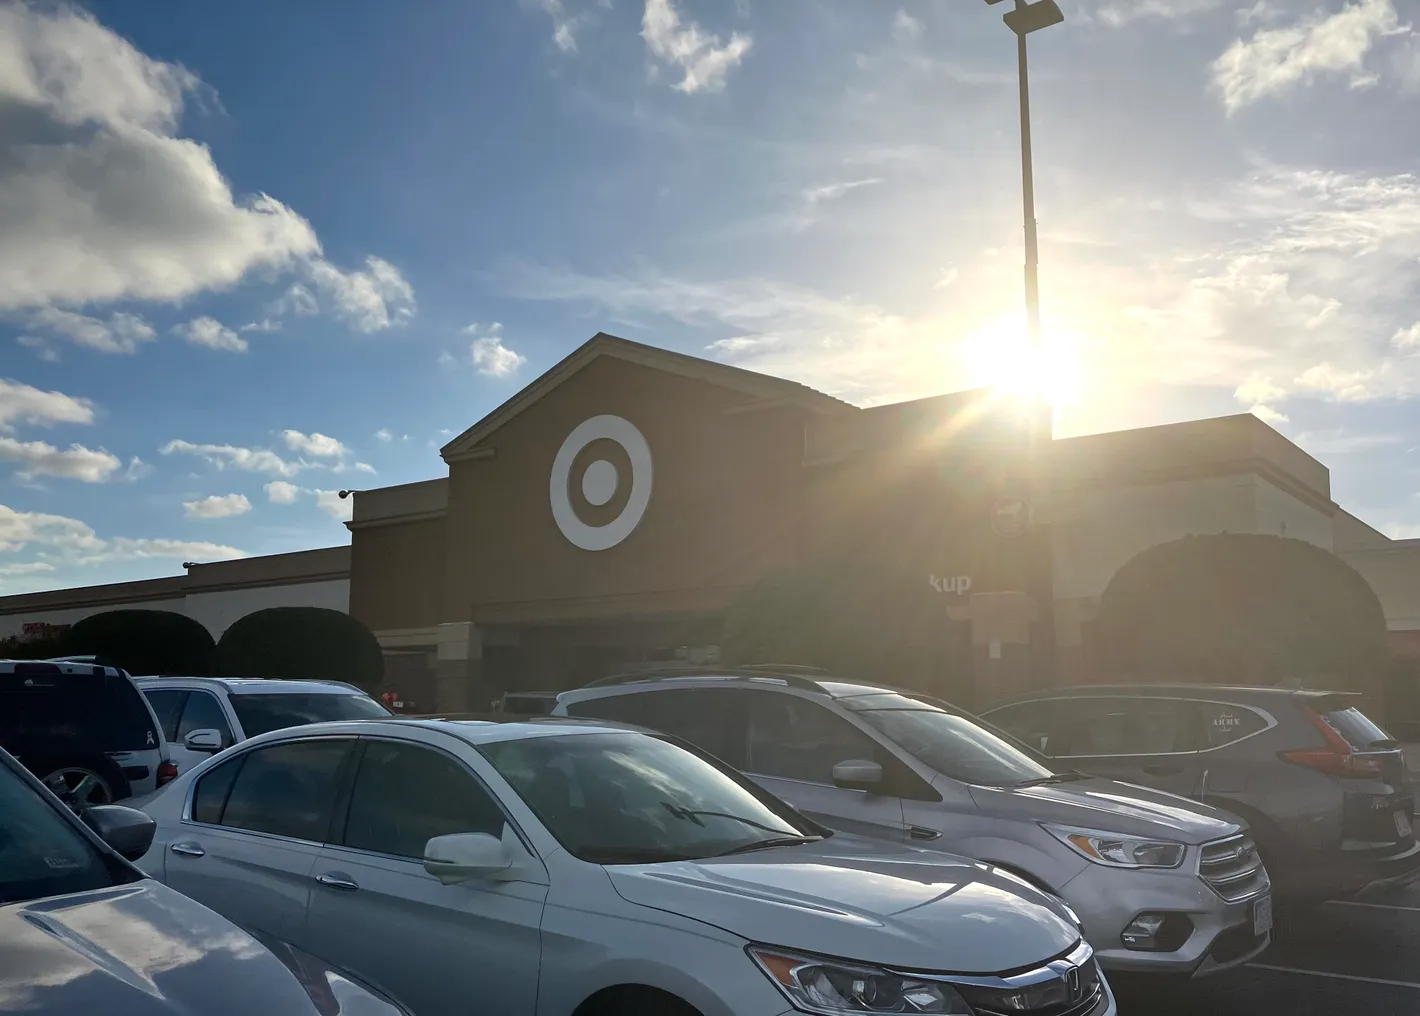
{"x": 877, "y": 903}
{"x": 144, "y": 950}
{"x": 1110, "y": 806}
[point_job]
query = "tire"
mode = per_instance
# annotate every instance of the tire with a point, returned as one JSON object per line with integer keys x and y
{"x": 82, "y": 779}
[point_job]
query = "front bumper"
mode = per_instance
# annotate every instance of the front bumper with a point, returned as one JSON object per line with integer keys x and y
{"x": 1108, "y": 899}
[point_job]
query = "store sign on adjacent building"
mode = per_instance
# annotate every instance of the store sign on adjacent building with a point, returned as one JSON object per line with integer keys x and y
{"x": 600, "y": 481}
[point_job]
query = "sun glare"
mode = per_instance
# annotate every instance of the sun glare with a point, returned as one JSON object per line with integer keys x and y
{"x": 1000, "y": 356}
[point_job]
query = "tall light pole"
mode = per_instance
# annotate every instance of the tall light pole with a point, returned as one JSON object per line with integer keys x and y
{"x": 1023, "y": 20}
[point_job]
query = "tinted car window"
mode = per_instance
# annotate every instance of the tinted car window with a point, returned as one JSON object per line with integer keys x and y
{"x": 287, "y": 789}
{"x": 796, "y": 739}
{"x": 709, "y": 718}
{"x": 204, "y": 712}
{"x": 1034, "y": 723}
{"x": 105, "y": 712}
{"x": 260, "y": 713}
{"x": 630, "y": 798}
{"x": 41, "y": 853}
{"x": 1223, "y": 723}
{"x": 405, "y": 795}
{"x": 954, "y": 745}
{"x": 1127, "y": 726}
{"x": 1358, "y": 729}
{"x": 209, "y": 797}
{"x": 167, "y": 705}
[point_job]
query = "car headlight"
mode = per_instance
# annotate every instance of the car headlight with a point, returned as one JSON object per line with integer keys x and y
{"x": 1118, "y": 851}
{"x": 834, "y": 987}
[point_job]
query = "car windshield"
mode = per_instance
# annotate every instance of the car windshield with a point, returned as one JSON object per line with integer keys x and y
{"x": 261, "y": 713}
{"x": 631, "y": 798}
{"x": 952, "y": 744}
{"x": 41, "y": 853}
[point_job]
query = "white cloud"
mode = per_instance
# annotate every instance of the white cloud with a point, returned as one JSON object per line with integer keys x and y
{"x": 338, "y": 508}
{"x": 488, "y": 354}
{"x": 42, "y": 347}
{"x": 217, "y": 506}
{"x": 949, "y": 277}
{"x": 281, "y": 492}
{"x": 26, "y": 568}
{"x": 120, "y": 334}
{"x": 137, "y": 470}
{"x": 98, "y": 199}
{"x": 19, "y": 530}
{"x": 296, "y": 300}
{"x": 370, "y": 300}
{"x": 20, "y": 403}
{"x": 125, "y": 548}
{"x": 264, "y": 325}
{"x": 101, "y": 201}
{"x": 1118, "y": 13}
{"x": 383, "y": 434}
{"x": 38, "y": 458}
{"x": 1339, "y": 384}
{"x": 828, "y": 192}
{"x": 1407, "y": 338}
{"x": 250, "y": 460}
{"x": 212, "y": 334}
{"x": 905, "y": 27}
{"x": 1268, "y": 415}
{"x": 564, "y": 25}
{"x": 1276, "y": 59}
{"x": 319, "y": 445}
{"x": 702, "y": 58}
{"x": 1258, "y": 389}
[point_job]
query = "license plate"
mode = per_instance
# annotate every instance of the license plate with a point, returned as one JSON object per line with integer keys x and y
{"x": 1402, "y": 825}
{"x": 1262, "y": 917}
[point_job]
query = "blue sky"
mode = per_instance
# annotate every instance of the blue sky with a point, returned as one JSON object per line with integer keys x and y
{"x": 252, "y": 254}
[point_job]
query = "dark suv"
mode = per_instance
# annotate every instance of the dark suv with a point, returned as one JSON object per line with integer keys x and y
{"x": 84, "y": 729}
{"x": 1324, "y": 789}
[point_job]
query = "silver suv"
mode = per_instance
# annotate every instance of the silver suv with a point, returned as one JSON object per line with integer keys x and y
{"x": 1160, "y": 883}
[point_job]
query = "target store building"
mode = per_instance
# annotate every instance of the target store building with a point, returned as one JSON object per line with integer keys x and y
{"x": 606, "y": 516}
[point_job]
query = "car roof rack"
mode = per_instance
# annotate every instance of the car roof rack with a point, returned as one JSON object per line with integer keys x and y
{"x": 793, "y": 676}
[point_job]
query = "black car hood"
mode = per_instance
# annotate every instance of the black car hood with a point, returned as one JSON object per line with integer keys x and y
{"x": 145, "y": 950}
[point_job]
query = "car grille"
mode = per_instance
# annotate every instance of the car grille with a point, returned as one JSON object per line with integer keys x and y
{"x": 1069, "y": 988}
{"x": 1233, "y": 868}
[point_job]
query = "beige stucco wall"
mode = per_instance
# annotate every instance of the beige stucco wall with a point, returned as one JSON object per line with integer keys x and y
{"x": 1394, "y": 573}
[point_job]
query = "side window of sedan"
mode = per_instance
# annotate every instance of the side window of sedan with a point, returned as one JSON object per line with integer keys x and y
{"x": 287, "y": 789}
{"x": 405, "y": 795}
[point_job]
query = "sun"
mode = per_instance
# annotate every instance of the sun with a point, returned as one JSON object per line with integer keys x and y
{"x": 1001, "y": 356}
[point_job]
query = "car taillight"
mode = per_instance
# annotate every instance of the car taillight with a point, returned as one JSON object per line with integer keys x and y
{"x": 1337, "y": 758}
{"x": 167, "y": 772}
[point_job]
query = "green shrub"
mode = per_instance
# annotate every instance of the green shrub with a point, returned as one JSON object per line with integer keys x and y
{"x": 143, "y": 642}
{"x": 302, "y": 642}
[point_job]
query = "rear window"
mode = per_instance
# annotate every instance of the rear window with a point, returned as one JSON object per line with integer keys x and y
{"x": 1354, "y": 726}
{"x": 261, "y": 713}
{"x": 104, "y": 712}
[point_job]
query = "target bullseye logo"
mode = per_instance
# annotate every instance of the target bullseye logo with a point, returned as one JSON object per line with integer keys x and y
{"x": 601, "y": 482}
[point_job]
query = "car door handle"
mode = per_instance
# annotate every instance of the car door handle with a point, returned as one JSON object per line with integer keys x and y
{"x": 333, "y": 881}
{"x": 188, "y": 850}
{"x": 915, "y": 832}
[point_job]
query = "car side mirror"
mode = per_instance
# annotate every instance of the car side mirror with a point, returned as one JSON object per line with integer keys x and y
{"x": 858, "y": 774}
{"x": 126, "y": 830}
{"x": 205, "y": 740}
{"x": 460, "y": 857}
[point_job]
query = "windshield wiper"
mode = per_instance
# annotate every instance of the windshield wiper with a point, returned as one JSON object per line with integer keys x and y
{"x": 693, "y": 815}
{"x": 778, "y": 841}
{"x": 1069, "y": 776}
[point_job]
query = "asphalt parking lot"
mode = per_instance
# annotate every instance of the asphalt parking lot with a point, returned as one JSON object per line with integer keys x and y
{"x": 1362, "y": 956}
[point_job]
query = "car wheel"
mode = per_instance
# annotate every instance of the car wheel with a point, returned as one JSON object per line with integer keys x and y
{"x": 84, "y": 781}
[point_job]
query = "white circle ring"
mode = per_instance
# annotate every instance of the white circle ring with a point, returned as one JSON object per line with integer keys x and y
{"x": 624, "y": 433}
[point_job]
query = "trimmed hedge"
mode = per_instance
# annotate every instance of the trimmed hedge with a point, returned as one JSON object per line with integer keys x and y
{"x": 302, "y": 642}
{"x": 1243, "y": 608}
{"x": 143, "y": 642}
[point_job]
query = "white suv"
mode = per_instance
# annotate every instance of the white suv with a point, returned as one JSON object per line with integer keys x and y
{"x": 200, "y": 716}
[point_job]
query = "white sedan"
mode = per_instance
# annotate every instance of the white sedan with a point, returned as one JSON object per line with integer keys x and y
{"x": 560, "y": 867}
